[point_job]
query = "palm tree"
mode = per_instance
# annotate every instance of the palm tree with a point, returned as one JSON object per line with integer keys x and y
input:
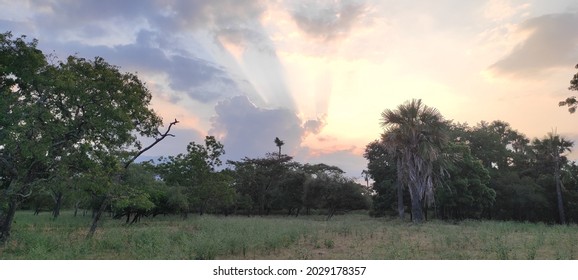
{"x": 550, "y": 150}
{"x": 414, "y": 135}
{"x": 279, "y": 143}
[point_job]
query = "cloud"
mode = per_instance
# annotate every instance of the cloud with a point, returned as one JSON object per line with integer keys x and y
{"x": 329, "y": 20}
{"x": 552, "y": 42}
{"x": 199, "y": 79}
{"x": 247, "y": 130}
{"x": 498, "y": 10}
{"x": 315, "y": 126}
{"x": 236, "y": 21}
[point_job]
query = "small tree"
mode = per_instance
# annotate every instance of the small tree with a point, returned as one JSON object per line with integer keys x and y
{"x": 279, "y": 143}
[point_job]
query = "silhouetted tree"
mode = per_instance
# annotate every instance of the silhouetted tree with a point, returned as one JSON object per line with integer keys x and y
{"x": 279, "y": 143}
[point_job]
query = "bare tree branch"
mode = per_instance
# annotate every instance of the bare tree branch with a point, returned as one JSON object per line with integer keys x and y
{"x": 157, "y": 140}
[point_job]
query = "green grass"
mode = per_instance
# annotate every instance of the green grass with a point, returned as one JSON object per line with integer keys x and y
{"x": 353, "y": 236}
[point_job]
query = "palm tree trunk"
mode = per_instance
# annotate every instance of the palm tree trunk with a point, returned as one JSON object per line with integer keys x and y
{"x": 416, "y": 209}
{"x": 399, "y": 183}
{"x": 559, "y": 192}
{"x": 400, "y": 205}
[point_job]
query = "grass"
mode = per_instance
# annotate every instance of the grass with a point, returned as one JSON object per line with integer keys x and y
{"x": 353, "y": 236}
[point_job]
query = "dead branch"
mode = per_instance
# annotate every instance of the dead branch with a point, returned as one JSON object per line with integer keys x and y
{"x": 157, "y": 140}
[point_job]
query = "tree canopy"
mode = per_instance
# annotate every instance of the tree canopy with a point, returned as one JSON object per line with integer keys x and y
{"x": 77, "y": 115}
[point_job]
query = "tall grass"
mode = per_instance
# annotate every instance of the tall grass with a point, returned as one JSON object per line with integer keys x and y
{"x": 353, "y": 236}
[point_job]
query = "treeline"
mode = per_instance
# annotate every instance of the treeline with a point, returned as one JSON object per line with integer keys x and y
{"x": 486, "y": 171}
{"x": 69, "y": 137}
{"x": 190, "y": 183}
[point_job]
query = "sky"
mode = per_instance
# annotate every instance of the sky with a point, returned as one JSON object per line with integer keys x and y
{"x": 318, "y": 74}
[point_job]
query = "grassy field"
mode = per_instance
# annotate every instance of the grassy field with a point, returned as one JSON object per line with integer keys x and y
{"x": 353, "y": 236}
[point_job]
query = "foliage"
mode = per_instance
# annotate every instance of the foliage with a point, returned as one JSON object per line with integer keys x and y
{"x": 465, "y": 194}
{"x": 571, "y": 102}
{"x": 77, "y": 115}
{"x": 195, "y": 179}
{"x": 258, "y": 178}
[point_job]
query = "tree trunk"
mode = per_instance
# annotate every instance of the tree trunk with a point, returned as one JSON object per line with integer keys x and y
{"x": 400, "y": 204}
{"x": 6, "y": 220}
{"x": 416, "y": 209}
{"x": 96, "y": 218}
{"x": 330, "y": 214}
{"x": 57, "y": 204}
{"x": 76, "y": 205}
{"x": 559, "y": 192}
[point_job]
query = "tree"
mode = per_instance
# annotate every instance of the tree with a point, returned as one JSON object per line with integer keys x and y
{"x": 571, "y": 102}
{"x": 382, "y": 168}
{"x": 259, "y": 178}
{"x": 290, "y": 191}
{"x": 414, "y": 134}
{"x": 195, "y": 176}
{"x": 139, "y": 193}
{"x": 279, "y": 143}
{"x": 464, "y": 194}
{"x": 76, "y": 113}
{"x": 549, "y": 151}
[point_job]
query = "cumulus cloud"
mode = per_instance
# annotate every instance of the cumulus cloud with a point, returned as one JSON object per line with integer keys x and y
{"x": 315, "y": 126}
{"x": 328, "y": 20}
{"x": 552, "y": 42}
{"x": 247, "y": 130}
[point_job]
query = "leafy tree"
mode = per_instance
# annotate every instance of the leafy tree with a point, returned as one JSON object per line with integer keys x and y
{"x": 382, "y": 168}
{"x": 571, "y": 102}
{"x": 333, "y": 192}
{"x": 290, "y": 191}
{"x": 140, "y": 193}
{"x": 465, "y": 193}
{"x": 519, "y": 198}
{"x": 258, "y": 178}
{"x": 78, "y": 112}
{"x": 414, "y": 135}
{"x": 499, "y": 146}
{"x": 195, "y": 175}
{"x": 570, "y": 182}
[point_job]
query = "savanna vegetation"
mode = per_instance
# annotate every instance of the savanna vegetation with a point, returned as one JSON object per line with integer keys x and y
{"x": 352, "y": 236}
{"x": 69, "y": 142}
